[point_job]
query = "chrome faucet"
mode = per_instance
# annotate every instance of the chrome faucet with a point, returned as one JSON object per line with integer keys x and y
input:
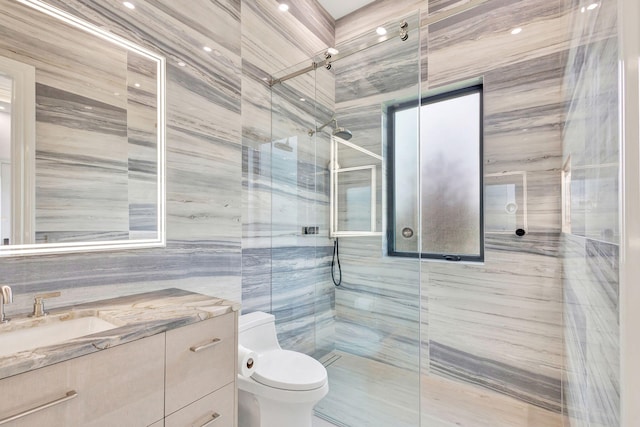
{"x": 6, "y": 297}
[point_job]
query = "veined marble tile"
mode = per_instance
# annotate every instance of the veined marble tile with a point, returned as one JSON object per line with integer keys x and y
{"x": 363, "y": 392}
{"x": 79, "y": 140}
{"x": 374, "y": 15}
{"x": 377, "y": 305}
{"x": 65, "y": 58}
{"x": 590, "y": 141}
{"x": 273, "y": 41}
{"x": 592, "y": 331}
{"x": 469, "y": 44}
{"x": 506, "y": 315}
{"x": 447, "y": 403}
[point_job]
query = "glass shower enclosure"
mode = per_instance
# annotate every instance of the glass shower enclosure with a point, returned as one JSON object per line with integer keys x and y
{"x": 328, "y": 184}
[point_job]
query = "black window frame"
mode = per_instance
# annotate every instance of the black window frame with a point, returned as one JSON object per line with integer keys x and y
{"x": 391, "y": 217}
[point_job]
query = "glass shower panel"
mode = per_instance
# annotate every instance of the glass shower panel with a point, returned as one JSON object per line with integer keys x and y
{"x": 374, "y": 370}
{"x": 300, "y": 287}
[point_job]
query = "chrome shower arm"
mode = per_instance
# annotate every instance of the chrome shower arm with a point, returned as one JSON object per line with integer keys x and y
{"x": 318, "y": 129}
{"x": 333, "y": 120}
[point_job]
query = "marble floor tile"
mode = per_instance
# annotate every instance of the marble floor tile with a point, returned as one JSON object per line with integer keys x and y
{"x": 363, "y": 392}
{"x": 446, "y": 403}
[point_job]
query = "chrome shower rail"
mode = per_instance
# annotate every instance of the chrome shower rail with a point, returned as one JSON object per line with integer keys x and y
{"x": 403, "y": 33}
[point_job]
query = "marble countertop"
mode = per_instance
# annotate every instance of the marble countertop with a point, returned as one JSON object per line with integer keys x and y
{"x": 135, "y": 316}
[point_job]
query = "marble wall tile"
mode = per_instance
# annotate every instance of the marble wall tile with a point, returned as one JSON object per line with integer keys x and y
{"x": 506, "y": 317}
{"x": 374, "y": 15}
{"x": 590, "y": 251}
{"x": 470, "y": 43}
{"x": 284, "y": 190}
{"x": 591, "y": 132}
{"x": 591, "y": 331}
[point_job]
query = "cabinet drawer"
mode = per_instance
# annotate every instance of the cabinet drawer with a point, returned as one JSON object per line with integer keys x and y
{"x": 200, "y": 359}
{"x": 214, "y": 410}
{"x": 120, "y": 386}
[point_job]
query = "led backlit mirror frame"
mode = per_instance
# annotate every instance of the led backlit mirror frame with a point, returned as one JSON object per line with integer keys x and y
{"x": 28, "y": 153}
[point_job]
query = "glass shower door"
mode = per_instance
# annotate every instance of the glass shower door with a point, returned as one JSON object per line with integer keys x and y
{"x": 365, "y": 326}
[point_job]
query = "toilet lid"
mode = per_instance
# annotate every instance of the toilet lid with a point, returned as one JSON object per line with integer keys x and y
{"x": 289, "y": 370}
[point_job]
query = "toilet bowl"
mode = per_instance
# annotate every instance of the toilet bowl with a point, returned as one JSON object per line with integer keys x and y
{"x": 285, "y": 386}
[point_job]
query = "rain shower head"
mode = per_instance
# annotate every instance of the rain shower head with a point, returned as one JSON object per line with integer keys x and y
{"x": 343, "y": 133}
{"x": 338, "y": 131}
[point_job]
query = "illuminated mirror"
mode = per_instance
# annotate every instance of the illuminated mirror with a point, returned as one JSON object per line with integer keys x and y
{"x": 81, "y": 135}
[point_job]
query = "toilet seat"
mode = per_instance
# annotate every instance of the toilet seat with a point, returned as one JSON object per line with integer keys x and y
{"x": 289, "y": 370}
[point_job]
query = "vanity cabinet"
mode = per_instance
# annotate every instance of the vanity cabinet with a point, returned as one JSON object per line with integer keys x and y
{"x": 216, "y": 409}
{"x": 183, "y": 377}
{"x": 201, "y": 373}
{"x": 122, "y": 386}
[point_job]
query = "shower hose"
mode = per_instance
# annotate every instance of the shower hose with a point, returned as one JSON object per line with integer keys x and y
{"x": 335, "y": 260}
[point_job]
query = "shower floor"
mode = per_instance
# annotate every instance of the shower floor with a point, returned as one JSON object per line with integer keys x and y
{"x": 363, "y": 392}
{"x": 366, "y": 393}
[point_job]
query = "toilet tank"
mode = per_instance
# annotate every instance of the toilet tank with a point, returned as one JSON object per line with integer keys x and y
{"x": 257, "y": 332}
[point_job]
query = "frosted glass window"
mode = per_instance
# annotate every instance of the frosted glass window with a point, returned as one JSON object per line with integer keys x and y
{"x": 450, "y": 165}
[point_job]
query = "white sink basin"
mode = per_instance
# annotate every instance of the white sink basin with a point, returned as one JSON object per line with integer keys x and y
{"x": 55, "y": 332}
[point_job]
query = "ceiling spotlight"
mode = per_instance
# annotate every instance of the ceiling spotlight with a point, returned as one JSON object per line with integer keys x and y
{"x": 516, "y": 31}
{"x": 592, "y": 6}
{"x": 182, "y": 64}
{"x": 136, "y": 84}
{"x": 207, "y": 49}
{"x": 283, "y": 7}
{"x": 583, "y": 9}
{"x": 333, "y": 51}
{"x": 381, "y": 31}
{"x": 129, "y": 5}
{"x": 302, "y": 99}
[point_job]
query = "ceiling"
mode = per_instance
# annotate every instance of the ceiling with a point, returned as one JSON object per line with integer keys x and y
{"x": 340, "y": 8}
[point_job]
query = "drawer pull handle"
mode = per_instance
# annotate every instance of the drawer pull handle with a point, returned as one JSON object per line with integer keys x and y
{"x": 214, "y": 417}
{"x": 70, "y": 395}
{"x": 210, "y": 344}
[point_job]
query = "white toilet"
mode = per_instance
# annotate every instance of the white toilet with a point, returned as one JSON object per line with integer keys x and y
{"x": 285, "y": 386}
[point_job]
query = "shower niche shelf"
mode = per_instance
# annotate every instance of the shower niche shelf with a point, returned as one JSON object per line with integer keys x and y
{"x": 355, "y": 184}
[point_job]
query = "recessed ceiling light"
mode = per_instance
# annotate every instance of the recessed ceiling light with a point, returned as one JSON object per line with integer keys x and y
{"x": 302, "y": 99}
{"x": 583, "y": 9}
{"x": 516, "y": 31}
{"x": 129, "y": 5}
{"x": 182, "y": 64}
{"x": 136, "y": 84}
{"x": 88, "y": 107}
{"x": 381, "y": 31}
{"x": 207, "y": 49}
{"x": 333, "y": 51}
{"x": 592, "y": 6}
{"x": 283, "y": 7}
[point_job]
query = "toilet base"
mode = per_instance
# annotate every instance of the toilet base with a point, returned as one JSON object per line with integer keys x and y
{"x": 258, "y": 411}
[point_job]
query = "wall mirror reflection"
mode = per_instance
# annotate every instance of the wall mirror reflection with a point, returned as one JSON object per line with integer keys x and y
{"x": 81, "y": 135}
